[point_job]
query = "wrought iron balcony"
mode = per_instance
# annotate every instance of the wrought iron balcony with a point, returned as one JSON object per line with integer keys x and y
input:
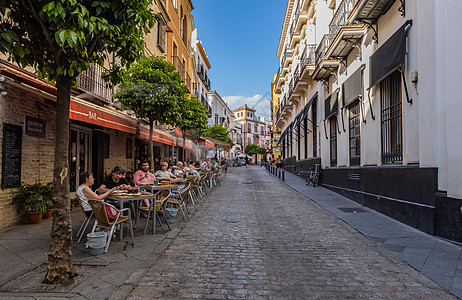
{"x": 343, "y": 35}
{"x": 90, "y": 82}
{"x": 321, "y": 49}
{"x": 178, "y": 64}
{"x": 187, "y": 80}
{"x": 340, "y": 18}
{"x": 308, "y": 56}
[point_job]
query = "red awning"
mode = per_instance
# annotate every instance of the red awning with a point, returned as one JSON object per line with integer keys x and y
{"x": 209, "y": 145}
{"x": 157, "y": 137}
{"x": 93, "y": 114}
{"x": 178, "y": 132}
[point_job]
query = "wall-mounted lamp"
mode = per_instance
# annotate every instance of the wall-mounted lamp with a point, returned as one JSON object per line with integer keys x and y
{"x": 3, "y": 91}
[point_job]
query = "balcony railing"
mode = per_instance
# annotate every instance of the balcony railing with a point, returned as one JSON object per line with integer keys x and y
{"x": 308, "y": 56}
{"x": 340, "y": 18}
{"x": 178, "y": 65}
{"x": 322, "y": 48}
{"x": 291, "y": 86}
{"x": 187, "y": 80}
{"x": 296, "y": 75}
{"x": 90, "y": 81}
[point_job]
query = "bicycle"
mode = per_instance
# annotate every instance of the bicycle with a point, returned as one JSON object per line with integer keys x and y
{"x": 313, "y": 175}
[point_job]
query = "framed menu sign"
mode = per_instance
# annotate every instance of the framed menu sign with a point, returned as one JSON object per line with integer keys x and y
{"x": 11, "y": 153}
{"x": 36, "y": 127}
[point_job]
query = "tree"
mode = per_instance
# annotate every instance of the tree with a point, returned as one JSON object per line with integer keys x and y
{"x": 254, "y": 149}
{"x": 220, "y": 133}
{"x": 60, "y": 39}
{"x": 193, "y": 119}
{"x": 153, "y": 89}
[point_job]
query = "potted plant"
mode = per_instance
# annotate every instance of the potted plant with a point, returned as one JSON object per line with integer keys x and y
{"x": 35, "y": 200}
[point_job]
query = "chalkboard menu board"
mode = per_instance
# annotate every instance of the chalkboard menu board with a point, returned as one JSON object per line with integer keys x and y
{"x": 12, "y": 152}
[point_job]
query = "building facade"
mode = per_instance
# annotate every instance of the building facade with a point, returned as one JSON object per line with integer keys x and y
{"x": 366, "y": 91}
{"x": 275, "y": 132}
{"x": 102, "y": 135}
{"x": 202, "y": 64}
{"x": 254, "y": 130}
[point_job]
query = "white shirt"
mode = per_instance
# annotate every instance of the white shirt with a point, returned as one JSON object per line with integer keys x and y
{"x": 83, "y": 198}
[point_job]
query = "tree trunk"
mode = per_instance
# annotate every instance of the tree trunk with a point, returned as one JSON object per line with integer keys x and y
{"x": 150, "y": 150}
{"x": 60, "y": 268}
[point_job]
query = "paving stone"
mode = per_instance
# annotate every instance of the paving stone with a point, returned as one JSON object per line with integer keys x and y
{"x": 259, "y": 239}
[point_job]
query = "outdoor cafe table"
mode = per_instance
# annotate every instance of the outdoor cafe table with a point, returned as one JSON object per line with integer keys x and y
{"x": 125, "y": 198}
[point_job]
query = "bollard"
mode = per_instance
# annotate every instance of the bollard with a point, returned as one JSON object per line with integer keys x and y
{"x": 283, "y": 179}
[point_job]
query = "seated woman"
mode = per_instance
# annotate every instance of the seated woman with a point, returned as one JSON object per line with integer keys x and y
{"x": 85, "y": 193}
{"x": 163, "y": 173}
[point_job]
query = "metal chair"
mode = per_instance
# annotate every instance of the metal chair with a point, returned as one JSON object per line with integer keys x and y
{"x": 160, "y": 209}
{"x": 179, "y": 198}
{"x": 87, "y": 220}
{"x": 102, "y": 220}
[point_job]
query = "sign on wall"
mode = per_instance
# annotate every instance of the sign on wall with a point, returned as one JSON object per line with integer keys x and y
{"x": 36, "y": 127}
{"x": 12, "y": 152}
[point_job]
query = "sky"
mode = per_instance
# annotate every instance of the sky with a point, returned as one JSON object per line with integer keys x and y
{"x": 240, "y": 38}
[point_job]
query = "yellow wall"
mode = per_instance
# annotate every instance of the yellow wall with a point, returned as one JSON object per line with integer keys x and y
{"x": 274, "y": 108}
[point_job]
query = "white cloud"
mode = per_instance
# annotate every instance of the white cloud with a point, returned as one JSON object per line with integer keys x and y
{"x": 261, "y": 103}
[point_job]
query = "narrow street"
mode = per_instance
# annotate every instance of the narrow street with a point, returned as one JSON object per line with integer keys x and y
{"x": 256, "y": 238}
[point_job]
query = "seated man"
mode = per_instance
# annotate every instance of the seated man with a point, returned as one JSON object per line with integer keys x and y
{"x": 194, "y": 167}
{"x": 143, "y": 175}
{"x": 115, "y": 180}
{"x": 178, "y": 169}
{"x": 163, "y": 173}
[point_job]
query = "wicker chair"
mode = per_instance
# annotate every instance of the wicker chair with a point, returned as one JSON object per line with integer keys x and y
{"x": 103, "y": 221}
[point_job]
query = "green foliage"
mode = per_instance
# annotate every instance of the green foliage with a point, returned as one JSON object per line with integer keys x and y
{"x": 254, "y": 149}
{"x": 34, "y": 197}
{"x": 153, "y": 89}
{"x": 65, "y": 37}
{"x": 220, "y": 133}
{"x": 193, "y": 117}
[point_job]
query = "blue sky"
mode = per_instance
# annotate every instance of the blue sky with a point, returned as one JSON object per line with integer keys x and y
{"x": 240, "y": 38}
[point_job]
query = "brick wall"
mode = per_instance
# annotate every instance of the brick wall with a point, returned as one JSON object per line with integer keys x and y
{"x": 37, "y": 153}
{"x": 117, "y": 151}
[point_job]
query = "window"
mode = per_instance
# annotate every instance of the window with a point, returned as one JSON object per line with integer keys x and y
{"x": 391, "y": 118}
{"x": 161, "y": 35}
{"x": 315, "y": 128}
{"x": 129, "y": 148}
{"x": 249, "y": 127}
{"x": 256, "y": 128}
{"x": 355, "y": 133}
{"x": 298, "y": 141}
{"x": 333, "y": 141}
{"x": 216, "y": 119}
{"x": 305, "y": 135}
{"x": 249, "y": 141}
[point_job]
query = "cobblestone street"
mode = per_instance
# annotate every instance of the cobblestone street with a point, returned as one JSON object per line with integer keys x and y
{"x": 255, "y": 238}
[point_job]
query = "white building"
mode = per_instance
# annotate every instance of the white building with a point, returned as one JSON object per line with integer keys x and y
{"x": 202, "y": 86}
{"x": 220, "y": 111}
{"x": 369, "y": 91}
{"x": 254, "y": 130}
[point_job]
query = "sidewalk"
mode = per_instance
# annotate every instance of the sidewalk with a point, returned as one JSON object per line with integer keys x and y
{"x": 23, "y": 261}
{"x": 437, "y": 259}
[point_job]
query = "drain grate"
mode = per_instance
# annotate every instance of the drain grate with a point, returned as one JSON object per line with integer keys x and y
{"x": 352, "y": 209}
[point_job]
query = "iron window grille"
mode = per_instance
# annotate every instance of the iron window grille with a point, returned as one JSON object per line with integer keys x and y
{"x": 314, "y": 116}
{"x": 355, "y": 133}
{"x": 391, "y": 119}
{"x": 333, "y": 141}
{"x": 305, "y": 135}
